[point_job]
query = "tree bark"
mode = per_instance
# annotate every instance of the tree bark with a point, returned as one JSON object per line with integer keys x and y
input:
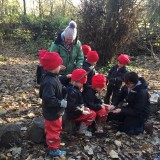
{"x": 24, "y": 6}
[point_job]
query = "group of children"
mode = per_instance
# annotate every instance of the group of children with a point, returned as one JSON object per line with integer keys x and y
{"x": 81, "y": 98}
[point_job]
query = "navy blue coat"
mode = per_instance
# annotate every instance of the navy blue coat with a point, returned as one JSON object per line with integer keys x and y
{"x": 51, "y": 94}
{"x": 115, "y": 77}
{"x": 90, "y": 98}
{"x": 74, "y": 102}
{"x": 137, "y": 99}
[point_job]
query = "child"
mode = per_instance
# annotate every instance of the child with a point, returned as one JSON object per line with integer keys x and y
{"x": 75, "y": 107}
{"x": 53, "y": 104}
{"x": 40, "y": 70}
{"x": 94, "y": 102}
{"x": 137, "y": 109}
{"x": 65, "y": 79}
{"x": 115, "y": 77}
{"x": 89, "y": 64}
{"x": 85, "y": 50}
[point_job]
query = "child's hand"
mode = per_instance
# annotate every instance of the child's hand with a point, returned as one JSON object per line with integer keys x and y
{"x": 63, "y": 103}
{"x": 69, "y": 75}
{"x": 86, "y": 112}
{"x": 62, "y": 67}
{"x": 111, "y": 107}
{"x": 86, "y": 109}
{"x": 118, "y": 110}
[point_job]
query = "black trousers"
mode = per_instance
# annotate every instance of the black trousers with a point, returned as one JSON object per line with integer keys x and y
{"x": 111, "y": 91}
{"x": 131, "y": 125}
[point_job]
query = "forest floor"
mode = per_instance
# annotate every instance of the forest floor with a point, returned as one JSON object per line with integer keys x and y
{"x": 19, "y": 100}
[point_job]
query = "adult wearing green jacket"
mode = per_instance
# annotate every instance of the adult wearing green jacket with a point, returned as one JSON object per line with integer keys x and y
{"x": 69, "y": 48}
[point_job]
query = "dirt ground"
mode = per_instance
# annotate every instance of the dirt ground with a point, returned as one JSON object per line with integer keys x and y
{"x": 19, "y": 102}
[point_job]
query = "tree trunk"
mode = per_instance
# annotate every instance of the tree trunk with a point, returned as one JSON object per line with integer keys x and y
{"x": 24, "y": 5}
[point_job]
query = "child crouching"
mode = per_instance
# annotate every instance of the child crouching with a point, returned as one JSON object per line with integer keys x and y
{"x": 92, "y": 100}
{"x": 75, "y": 107}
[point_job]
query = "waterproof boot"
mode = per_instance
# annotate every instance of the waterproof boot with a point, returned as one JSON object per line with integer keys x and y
{"x": 57, "y": 152}
{"x": 83, "y": 130}
{"x": 100, "y": 126}
{"x": 148, "y": 127}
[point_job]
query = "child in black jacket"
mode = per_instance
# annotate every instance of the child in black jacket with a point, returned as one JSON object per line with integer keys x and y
{"x": 65, "y": 79}
{"x": 75, "y": 106}
{"x": 137, "y": 106}
{"x": 53, "y": 104}
{"x": 115, "y": 78}
{"x": 92, "y": 99}
{"x": 89, "y": 64}
{"x": 85, "y": 50}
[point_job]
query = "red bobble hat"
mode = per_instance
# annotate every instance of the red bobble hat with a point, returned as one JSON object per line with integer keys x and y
{"x": 92, "y": 56}
{"x": 124, "y": 59}
{"x": 98, "y": 81}
{"x": 41, "y": 54}
{"x": 79, "y": 75}
{"x": 86, "y": 49}
{"x": 51, "y": 60}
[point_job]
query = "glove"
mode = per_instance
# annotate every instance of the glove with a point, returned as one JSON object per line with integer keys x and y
{"x": 86, "y": 112}
{"x": 63, "y": 103}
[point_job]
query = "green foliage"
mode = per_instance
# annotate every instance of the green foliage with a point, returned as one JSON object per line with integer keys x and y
{"x": 32, "y": 47}
{"x": 104, "y": 69}
{"x": 22, "y": 35}
{"x": 33, "y": 33}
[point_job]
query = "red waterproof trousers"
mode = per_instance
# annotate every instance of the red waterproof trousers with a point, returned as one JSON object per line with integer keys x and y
{"x": 87, "y": 119}
{"x": 102, "y": 114}
{"x": 53, "y": 129}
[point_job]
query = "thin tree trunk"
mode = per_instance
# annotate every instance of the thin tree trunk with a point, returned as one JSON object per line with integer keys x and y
{"x": 40, "y": 9}
{"x": 24, "y": 5}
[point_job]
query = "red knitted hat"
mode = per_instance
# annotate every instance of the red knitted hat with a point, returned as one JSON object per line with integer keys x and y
{"x": 98, "y": 81}
{"x": 86, "y": 49}
{"x": 124, "y": 59}
{"x": 79, "y": 75}
{"x": 92, "y": 56}
{"x": 51, "y": 60}
{"x": 41, "y": 54}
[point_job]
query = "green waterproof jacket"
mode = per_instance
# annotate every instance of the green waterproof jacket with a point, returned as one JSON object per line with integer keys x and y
{"x": 71, "y": 60}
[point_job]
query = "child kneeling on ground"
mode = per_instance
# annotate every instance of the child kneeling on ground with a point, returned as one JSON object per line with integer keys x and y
{"x": 53, "y": 104}
{"x": 136, "y": 110}
{"x": 75, "y": 107}
{"x": 92, "y": 100}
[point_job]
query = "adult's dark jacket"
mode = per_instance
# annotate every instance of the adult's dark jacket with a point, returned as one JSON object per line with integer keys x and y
{"x": 116, "y": 76}
{"x": 91, "y": 99}
{"x": 137, "y": 99}
{"x": 51, "y": 94}
{"x": 74, "y": 102}
{"x": 91, "y": 72}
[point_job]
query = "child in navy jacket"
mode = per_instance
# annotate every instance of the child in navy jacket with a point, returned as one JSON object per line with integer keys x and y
{"x": 115, "y": 78}
{"x": 76, "y": 110}
{"x": 85, "y": 50}
{"x": 92, "y": 99}
{"x": 137, "y": 106}
{"x": 89, "y": 64}
{"x": 53, "y": 104}
{"x": 65, "y": 79}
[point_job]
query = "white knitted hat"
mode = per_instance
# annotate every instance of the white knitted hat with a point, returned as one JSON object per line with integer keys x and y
{"x": 71, "y": 31}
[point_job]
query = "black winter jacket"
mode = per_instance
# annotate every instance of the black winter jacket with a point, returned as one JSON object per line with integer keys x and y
{"x": 51, "y": 94}
{"x": 137, "y": 99}
{"x": 74, "y": 102}
{"x": 115, "y": 77}
{"x": 91, "y": 99}
{"x": 91, "y": 72}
